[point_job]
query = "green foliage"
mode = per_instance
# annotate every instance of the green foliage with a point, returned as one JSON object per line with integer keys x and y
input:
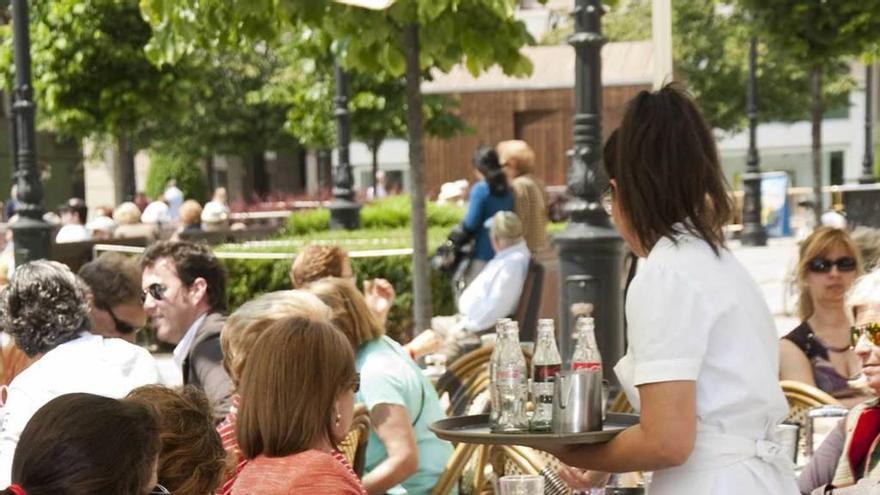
{"x": 250, "y": 278}
{"x": 308, "y": 221}
{"x": 710, "y": 50}
{"x": 164, "y": 167}
{"x": 395, "y": 211}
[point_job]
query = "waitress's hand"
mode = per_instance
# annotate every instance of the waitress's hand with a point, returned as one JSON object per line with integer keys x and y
{"x": 582, "y": 479}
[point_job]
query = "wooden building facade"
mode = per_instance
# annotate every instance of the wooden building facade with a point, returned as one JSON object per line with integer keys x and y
{"x": 538, "y": 109}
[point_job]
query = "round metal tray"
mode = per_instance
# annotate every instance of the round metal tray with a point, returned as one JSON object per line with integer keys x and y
{"x": 475, "y": 429}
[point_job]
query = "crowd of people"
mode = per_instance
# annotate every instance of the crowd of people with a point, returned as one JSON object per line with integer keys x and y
{"x": 270, "y": 390}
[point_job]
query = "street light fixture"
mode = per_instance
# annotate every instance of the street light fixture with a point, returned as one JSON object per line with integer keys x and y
{"x": 868, "y": 159}
{"x": 344, "y": 211}
{"x": 30, "y": 233}
{"x": 590, "y": 249}
{"x": 753, "y": 233}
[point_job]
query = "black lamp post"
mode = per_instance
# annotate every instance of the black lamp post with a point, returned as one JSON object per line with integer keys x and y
{"x": 868, "y": 159}
{"x": 590, "y": 249}
{"x": 344, "y": 211}
{"x": 30, "y": 232}
{"x": 753, "y": 233}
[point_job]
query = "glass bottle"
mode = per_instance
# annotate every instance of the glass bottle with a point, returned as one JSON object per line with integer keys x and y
{"x": 586, "y": 352}
{"x": 546, "y": 364}
{"x": 511, "y": 383}
{"x": 494, "y": 398}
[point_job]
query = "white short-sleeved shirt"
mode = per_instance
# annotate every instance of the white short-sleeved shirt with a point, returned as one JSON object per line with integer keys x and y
{"x": 696, "y": 316}
{"x": 90, "y": 364}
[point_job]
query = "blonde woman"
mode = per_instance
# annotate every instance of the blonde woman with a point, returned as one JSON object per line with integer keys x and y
{"x": 240, "y": 333}
{"x": 529, "y": 195}
{"x": 817, "y": 352}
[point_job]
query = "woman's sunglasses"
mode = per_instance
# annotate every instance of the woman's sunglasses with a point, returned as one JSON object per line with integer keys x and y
{"x": 160, "y": 490}
{"x": 824, "y": 265}
{"x": 156, "y": 291}
{"x": 356, "y": 382}
{"x": 871, "y": 331}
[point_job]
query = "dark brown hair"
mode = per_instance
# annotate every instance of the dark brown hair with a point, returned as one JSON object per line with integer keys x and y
{"x": 82, "y": 444}
{"x": 667, "y": 170}
{"x": 291, "y": 380}
{"x": 192, "y": 459}
{"x": 114, "y": 279}
{"x": 192, "y": 261}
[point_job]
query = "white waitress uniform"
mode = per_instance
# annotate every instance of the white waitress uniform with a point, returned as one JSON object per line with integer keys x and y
{"x": 695, "y": 316}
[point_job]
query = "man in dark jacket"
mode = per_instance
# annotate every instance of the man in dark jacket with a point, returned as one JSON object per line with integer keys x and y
{"x": 185, "y": 296}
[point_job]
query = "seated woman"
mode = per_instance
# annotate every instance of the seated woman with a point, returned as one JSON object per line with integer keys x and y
{"x": 240, "y": 333}
{"x": 315, "y": 262}
{"x": 850, "y": 452}
{"x": 401, "y": 400}
{"x": 82, "y": 444}
{"x": 817, "y": 352}
{"x": 44, "y": 309}
{"x": 191, "y": 459}
{"x": 297, "y": 393}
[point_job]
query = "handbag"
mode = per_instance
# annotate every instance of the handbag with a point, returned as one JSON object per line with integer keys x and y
{"x": 452, "y": 255}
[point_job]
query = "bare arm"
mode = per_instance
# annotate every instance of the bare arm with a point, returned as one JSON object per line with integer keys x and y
{"x": 393, "y": 426}
{"x": 664, "y": 437}
{"x": 793, "y": 364}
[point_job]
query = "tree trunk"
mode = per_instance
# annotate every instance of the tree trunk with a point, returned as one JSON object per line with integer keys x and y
{"x": 422, "y": 310}
{"x": 125, "y": 159}
{"x": 261, "y": 179}
{"x": 374, "y": 151}
{"x": 209, "y": 172}
{"x": 816, "y": 110}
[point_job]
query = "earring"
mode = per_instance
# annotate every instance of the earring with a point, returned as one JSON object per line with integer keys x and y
{"x": 338, "y": 417}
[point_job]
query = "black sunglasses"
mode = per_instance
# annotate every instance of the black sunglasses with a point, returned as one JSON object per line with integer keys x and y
{"x": 121, "y": 326}
{"x": 157, "y": 291}
{"x": 871, "y": 331}
{"x": 356, "y": 382}
{"x": 824, "y": 265}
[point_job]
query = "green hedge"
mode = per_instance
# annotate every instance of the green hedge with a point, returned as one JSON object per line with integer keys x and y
{"x": 392, "y": 212}
{"x": 250, "y": 278}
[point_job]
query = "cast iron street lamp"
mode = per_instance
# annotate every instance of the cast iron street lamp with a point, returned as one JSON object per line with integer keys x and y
{"x": 30, "y": 232}
{"x": 344, "y": 212}
{"x": 590, "y": 249}
{"x": 753, "y": 233}
{"x": 868, "y": 160}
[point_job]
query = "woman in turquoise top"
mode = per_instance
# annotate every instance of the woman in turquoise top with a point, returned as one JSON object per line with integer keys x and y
{"x": 403, "y": 456}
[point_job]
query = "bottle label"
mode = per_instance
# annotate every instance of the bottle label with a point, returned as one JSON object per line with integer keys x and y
{"x": 592, "y": 366}
{"x": 545, "y": 372}
{"x": 508, "y": 377}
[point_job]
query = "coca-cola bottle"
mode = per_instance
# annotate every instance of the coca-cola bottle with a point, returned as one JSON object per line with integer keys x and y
{"x": 546, "y": 363}
{"x": 511, "y": 384}
{"x": 494, "y": 398}
{"x": 586, "y": 352}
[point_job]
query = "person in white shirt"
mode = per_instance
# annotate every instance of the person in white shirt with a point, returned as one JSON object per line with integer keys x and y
{"x": 494, "y": 293}
{"x": 68, "y": 358}
{"x": 73, "y": 217}
{"x": 156, "y": 212}
{"x": 174, "y": 197}
{"x": 215, "y": 214}
{"x": 702, "y": 360}
{"x": 379, "y": 191}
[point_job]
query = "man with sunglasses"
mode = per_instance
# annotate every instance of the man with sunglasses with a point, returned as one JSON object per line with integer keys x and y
{"x": 184, "y": 288}
{"x": 116, "y": 306}
{"x": 850, "y": 454}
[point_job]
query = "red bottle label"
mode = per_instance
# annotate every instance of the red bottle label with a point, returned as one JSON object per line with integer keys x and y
{"x": 594, "y": 366}
{"x": 546, "y": 372}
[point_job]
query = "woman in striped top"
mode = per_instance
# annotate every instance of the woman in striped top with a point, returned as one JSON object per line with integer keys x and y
{"x": 297, "y": 402}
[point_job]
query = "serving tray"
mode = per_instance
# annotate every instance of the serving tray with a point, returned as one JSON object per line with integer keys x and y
{"x": 475, "y": 429}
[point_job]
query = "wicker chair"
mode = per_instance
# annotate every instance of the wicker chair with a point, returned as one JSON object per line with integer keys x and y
{"x": 354, "y": 446}
{"x": 468, "y": 377}
{"x": 801, "y": 399}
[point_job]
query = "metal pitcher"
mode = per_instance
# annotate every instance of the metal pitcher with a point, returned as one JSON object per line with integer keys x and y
{"x": 577, "y": 401}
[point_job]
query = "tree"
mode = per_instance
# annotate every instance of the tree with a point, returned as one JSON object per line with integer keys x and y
{"x": 92, "y": 78}
{"x": 710, "y": 50}
{"x": 819, "y": 35}
{"x": 391, "y": 40}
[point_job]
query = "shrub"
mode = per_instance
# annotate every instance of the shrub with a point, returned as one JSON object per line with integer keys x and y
{"x": 167, "y": 166}
{"x": 308, "y": 221}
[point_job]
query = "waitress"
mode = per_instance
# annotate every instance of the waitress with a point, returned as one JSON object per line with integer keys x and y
{"x": 702, "y": 361}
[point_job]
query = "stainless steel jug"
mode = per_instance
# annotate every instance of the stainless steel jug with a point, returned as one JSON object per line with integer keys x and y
{"x": 577, "y": 401}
